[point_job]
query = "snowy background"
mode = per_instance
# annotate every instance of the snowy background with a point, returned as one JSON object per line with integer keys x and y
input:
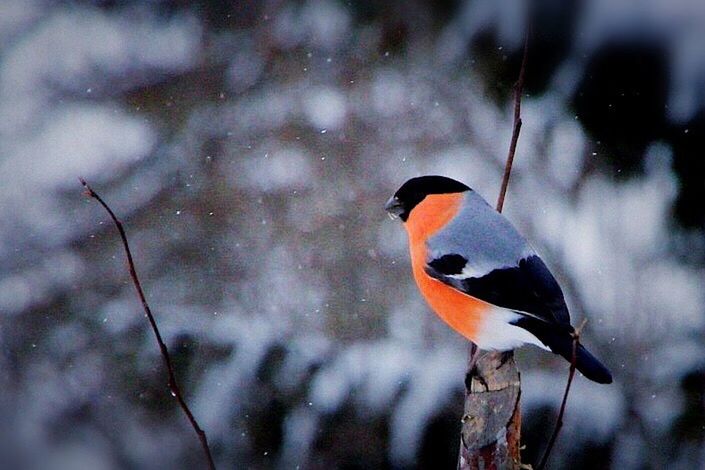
{"x": 250, "y": 147}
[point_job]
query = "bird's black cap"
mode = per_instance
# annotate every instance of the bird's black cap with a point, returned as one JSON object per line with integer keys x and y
{"x": 411, "y": 193}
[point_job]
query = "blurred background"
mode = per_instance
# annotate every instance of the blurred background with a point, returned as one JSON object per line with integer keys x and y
{"x": 249, "y": 148}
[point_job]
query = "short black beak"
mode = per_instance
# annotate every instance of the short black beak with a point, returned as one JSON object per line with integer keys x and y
{"x": 394, "y": 207}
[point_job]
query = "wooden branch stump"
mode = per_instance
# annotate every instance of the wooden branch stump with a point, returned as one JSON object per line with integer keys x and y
{"x": 491, "y": 424}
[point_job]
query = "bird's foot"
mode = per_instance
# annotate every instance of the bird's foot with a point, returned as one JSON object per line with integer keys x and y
{"x": 474, "y": 373}
{"x": 504, "y": 357}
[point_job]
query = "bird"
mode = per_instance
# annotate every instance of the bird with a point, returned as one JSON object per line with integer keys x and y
{"x": 481, "y": 276}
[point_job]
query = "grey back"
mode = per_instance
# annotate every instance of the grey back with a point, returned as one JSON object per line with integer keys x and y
{"x": 482, "y": 236}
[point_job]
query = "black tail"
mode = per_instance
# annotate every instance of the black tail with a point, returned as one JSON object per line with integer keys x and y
{"x": 561, "y": 342}
{"x": 587, "y": 364}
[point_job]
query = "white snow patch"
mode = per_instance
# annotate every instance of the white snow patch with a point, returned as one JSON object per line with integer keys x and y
{"x": 118, "y": 315}
{"x": 37, "y": 284}
{"x": 245, "y": 69}
{"x": 675, "y": 359}
{"x": 565, "y": 153}
{"x": 214, "y": 403}
{"x": 325, "y": 108}
{"x": 673, "y": 297}
{"x": 15, "y": 294}
{"x": 78, "y": 140}
{"x": 389, "y": 366}
{"x": 73, "y": 49}
{"x": 324, "y": 25}
{"x": 328, "y": 23}
{"x": 435, "y": 376}
{"x": 304, "y": 352}
{"x": 389, "y": 92}
{"x": 370, "y": 373}
{"x": 16, "y": 15}
{"x": 300, "y": 428}
{"x": 594, "y": 411}
{"x": 282, "y": 168}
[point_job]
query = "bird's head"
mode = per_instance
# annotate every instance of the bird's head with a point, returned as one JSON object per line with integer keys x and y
{"x": 415, "y": 190}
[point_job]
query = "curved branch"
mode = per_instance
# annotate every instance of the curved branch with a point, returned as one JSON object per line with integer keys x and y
{"x": 173, "y": 384}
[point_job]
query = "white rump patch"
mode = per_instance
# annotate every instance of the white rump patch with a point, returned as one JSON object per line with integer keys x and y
{"x": 497, "y": 334}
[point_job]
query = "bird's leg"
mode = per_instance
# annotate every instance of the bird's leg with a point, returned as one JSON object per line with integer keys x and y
{"x": 504, "y": 357}
{"x": 472, "y": 368}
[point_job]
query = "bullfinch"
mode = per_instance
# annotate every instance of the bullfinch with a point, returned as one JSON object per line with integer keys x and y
{"x": 481, "y": 276}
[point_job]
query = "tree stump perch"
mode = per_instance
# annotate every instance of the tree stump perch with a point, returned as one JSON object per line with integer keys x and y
{"x": 491, "y": 423}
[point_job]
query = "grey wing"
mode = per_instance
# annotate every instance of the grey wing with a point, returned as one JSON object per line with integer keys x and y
{"x": 481, "y": 254}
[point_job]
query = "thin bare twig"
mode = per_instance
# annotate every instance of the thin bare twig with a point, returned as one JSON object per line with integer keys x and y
{"x": 518, "y": 90}
{"x": 173, "y": 385}
{"x": 559, "y": 420}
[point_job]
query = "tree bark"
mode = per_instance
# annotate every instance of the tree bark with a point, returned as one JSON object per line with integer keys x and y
{"x": 491, "y": 424}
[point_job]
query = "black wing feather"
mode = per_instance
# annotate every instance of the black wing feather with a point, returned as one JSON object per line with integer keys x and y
{"x": 528, "y": 287}
{"x": 448, "y": 264}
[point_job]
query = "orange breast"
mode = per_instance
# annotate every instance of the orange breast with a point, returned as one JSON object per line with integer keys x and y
{"x": 460, "y": 311}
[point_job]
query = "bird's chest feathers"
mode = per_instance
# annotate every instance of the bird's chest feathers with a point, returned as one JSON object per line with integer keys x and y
{"x": 431, "y": 215}
{"x": 460, "y": 311}
{"x": 425, "y": 220}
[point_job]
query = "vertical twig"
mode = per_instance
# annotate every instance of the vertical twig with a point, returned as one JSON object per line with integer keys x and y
{"x": 561, "y": 412}
{"x": 518, "y": 90}
{"x": 173, "y": 385}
